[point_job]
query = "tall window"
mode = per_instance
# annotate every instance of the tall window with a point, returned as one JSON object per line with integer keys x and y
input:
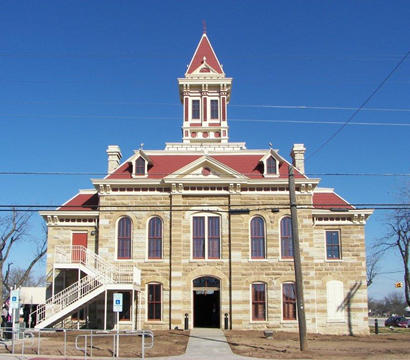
{"x": 258, "y": 302}
{"x": 213, "y": 237}
{"x": 124, "y": 238}
{"x": 286, "y": 241}
{"x": 257, "y": 238}
{"x": 289, "y": 301}
{"x": 214, "y": 109}
{"x": 140, "y": 166}
{"x": 154, "y": 301}
{"x": 271, "y": 165}
{"x": 195, "y": 109}
{"x": 332, "y": 245}
{"x": 206, "y": 229}
{"x": 155, "y": 238}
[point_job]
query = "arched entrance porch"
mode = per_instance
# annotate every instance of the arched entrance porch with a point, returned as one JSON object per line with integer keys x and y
{"x": 206, "y": 296}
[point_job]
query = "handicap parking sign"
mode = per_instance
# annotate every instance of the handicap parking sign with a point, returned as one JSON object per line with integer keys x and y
{"x": 14, "y": 299}
{"x": 117, "y": 302}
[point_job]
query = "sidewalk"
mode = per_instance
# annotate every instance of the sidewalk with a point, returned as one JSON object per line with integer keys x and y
{"x": 205, "y": 344}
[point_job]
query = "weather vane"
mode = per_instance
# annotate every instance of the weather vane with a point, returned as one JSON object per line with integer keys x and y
{"x": 204, "y": 26}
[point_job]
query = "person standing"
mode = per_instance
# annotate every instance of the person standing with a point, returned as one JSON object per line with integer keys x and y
{"x": 4, "y": 315}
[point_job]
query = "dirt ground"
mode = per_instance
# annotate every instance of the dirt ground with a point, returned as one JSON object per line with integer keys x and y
{"x": 166, "y": 343}
{"x": 388, "y": 345}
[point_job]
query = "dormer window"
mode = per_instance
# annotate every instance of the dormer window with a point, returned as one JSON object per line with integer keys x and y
{"x": 140, "y": 166}
{"x": 271, "y": 166}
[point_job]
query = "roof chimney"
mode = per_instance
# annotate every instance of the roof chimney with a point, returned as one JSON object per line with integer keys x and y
{"x": 114, "y": 157}
{"x": 298, "y": 157}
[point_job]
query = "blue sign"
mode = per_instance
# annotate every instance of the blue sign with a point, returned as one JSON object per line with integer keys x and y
{"x": 15, "y": 299}
{"x": 117, "y": 302}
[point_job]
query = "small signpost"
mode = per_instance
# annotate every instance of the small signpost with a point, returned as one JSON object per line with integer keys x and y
{"x": 117, "y": 303}
{"x": 15, "y": 306}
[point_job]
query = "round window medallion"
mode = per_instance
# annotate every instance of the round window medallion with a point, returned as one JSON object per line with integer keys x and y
{"x": 206, "y": 171}
{"x": 205, "y": 135}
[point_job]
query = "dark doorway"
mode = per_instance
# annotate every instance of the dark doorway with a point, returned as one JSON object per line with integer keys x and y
{"x": 206, "y": 302}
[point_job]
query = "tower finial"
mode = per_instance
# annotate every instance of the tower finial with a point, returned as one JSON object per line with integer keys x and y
{"x": 204, "y": 26}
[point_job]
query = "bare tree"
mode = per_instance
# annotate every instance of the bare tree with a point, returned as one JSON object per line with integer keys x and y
{"x": 398, "y": 237}
{"x": 372, "y": 261}
{"x": 13, "y": 230}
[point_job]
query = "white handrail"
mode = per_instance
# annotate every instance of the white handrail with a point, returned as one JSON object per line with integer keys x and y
{"x": 113, "y": 273}
{"x": 101, "y": 272}
{"x": 67, "y": 296}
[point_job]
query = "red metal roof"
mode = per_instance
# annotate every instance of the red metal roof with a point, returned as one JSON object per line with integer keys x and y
{"x": 82, "y": 202}
{"x": 204, "y": 49}
{"x": 329, "y": 200}
{"x": 163, "y": 165}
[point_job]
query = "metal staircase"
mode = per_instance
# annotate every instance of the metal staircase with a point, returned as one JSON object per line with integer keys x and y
{"x": 101, "y": 275}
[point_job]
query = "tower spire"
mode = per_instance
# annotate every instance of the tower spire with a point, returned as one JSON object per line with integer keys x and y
{"x": 205, "y": 93}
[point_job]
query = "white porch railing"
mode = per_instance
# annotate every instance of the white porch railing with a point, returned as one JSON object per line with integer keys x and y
{"x": 112, "y": 272}
{"x": 101, "y": 272}
{"x": 67, "y": 296}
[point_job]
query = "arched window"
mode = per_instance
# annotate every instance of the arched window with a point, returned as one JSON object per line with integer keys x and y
{"x": 257, "y": 238}
{"x": 271, "y": 166}
{"x": 258, "y": 302}
{"x": 140, "y": 166}
{"x": 154, "y": 301}
{"x": 155, "y": 238}
{"x": 286, "y": 241}
{"x": 124, "y": 238}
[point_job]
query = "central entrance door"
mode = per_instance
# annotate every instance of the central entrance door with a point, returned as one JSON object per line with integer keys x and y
{"x": 206, "y": 302}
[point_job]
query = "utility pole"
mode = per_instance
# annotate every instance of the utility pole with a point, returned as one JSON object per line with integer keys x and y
{"x": 296, "y": 258}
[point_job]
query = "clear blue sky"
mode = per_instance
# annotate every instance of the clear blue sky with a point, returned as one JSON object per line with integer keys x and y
{"x": 76, "y": 76}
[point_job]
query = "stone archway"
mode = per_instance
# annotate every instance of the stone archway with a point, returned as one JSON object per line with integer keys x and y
{"x": 206, "y": 302}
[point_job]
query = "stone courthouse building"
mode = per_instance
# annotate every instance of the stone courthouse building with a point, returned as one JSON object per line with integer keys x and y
{"x": 201, "y": 230}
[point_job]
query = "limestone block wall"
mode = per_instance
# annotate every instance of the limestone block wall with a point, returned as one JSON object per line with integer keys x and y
{"x": 177, "y": 269}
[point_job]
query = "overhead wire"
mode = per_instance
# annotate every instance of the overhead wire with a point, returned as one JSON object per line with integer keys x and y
{"x": 87, "y": 173}
{"x": 363, "y": 104}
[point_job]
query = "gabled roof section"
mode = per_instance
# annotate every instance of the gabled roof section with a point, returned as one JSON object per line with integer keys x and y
{"x": 273, "y": 153}
{"x": 204, "y": 52}
{"x": 327, "y": 199}
{"x": 140, "y": 153}
{"x": 83, "y": 201}
{"x": 163, "y": 165}
{"x": 206, "y": 167}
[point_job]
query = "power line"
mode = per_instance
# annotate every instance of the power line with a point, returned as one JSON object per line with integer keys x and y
{"x": 78, "y": 173}
{"x": 271, "y": 106}
{"x": 130, "y": 117}
{"x": 374, "y": 92}
{"x": 385, "y": 123}
{"x": 270, "y": 204}
{"x": 309, "y": 107}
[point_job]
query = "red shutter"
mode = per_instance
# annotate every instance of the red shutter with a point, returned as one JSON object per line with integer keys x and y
{"x": 186, "y": 109}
